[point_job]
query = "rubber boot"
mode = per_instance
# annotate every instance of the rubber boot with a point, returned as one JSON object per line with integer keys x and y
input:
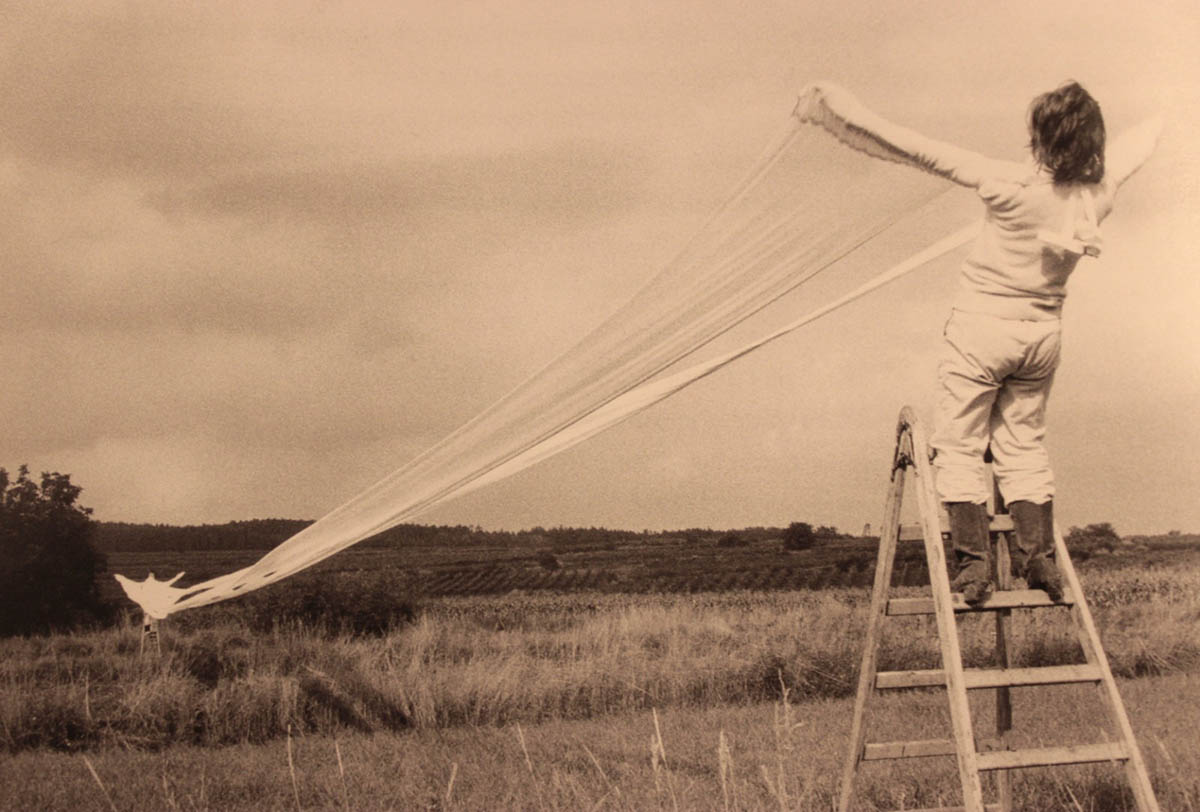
{"x": 969, "y": 536}
{"x": 1035, "y": 540}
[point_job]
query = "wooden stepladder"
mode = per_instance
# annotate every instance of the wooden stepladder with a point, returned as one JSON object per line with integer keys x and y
{"x": 996, "y": 755}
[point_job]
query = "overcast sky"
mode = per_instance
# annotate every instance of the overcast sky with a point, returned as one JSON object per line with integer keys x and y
{"x": 255, "y": 256}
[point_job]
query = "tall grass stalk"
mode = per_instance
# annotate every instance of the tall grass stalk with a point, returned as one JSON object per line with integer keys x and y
{"x": 337, "y": 749}
{"x": 99, "y": 783}
{"x": 292, "y": 769}
{"x": 658, "y": 758}
{"x": 724, "y": 768}
{"x": 529, "y": 764}
{"x": 450, "y": 783}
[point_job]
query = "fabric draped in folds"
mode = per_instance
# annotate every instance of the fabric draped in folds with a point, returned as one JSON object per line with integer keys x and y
{"x": 818, "y": 194}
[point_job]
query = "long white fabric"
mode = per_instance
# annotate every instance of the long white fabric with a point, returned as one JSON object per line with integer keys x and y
{"x": 810, "y": 205}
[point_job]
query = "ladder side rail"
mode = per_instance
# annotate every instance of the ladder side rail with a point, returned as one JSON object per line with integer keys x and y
{"x": 1089, "y": 639}
{"x": 1003, "y": 623}
{"x": 884, "y": 566}
{"x": 960, "y": 711}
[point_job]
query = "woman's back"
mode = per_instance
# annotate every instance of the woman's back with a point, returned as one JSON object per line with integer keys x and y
{"x": 1034, "y": 233}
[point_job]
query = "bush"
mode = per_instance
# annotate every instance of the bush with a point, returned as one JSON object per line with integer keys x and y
{"x": 367, "y": 603}
{"x": 48, "y": 565}
{"x": 1100, "y": 532}
{"x": 798, "y": 536}
{"x": 732, "y": 540}
{"x": 1093, "y": 539}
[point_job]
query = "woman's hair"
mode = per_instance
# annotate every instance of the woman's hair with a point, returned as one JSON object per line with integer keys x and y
{"x": 1066, "y": 134}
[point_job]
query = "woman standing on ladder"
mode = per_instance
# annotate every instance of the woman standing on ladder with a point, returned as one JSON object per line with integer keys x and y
{"x": 1002, "y": 339}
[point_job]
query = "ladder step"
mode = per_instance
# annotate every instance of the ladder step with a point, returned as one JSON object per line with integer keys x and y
{"x": 921, "y": 748}
{"x": 992, "y": 758}
{"x": 1008, "y": 599}
{"x": 1050, "y": 756}
{"x": 991, "y": 677}
{"x": 881, "y": 751}
{"x": 912, "y": 532}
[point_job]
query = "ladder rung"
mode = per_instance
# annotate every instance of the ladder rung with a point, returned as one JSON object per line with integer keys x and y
{"x": 912, "y": 532}
{"x": 991, "y": 677}
{"x": 1049, "y": 756}
{"x": 1009, "y": 599}
{"x": 880, "y": 751}
{"x": 921, "y": 748}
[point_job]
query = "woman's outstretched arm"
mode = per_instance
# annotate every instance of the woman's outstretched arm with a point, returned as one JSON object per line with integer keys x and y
{"x": 841, "y": 113}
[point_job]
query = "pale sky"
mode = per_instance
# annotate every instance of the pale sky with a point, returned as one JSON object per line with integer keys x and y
{"x": 258, "y": 255}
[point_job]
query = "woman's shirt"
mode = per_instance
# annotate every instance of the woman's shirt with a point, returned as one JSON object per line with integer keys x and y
{"x": 1012, "y": 270}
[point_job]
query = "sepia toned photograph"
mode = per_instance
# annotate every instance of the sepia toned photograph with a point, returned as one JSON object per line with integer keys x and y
{"x": 530, "y": 405}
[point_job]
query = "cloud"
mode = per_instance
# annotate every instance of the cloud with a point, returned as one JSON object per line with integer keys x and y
{"x": 556, "y": 184}
{"x": 197, "y": 262}
{"x": 279, "y": 246}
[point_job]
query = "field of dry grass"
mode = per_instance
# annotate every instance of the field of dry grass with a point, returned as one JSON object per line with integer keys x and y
{"x": 527, "y": 658}
{"x": 758, "y": 756}
{"x": 549, "y": 700}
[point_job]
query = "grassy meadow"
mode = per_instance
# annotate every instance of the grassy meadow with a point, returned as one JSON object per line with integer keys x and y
{"x": 542, "y": 698}
{"x": 753, "y": 756}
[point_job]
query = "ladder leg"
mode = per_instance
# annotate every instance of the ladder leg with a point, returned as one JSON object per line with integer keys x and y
{"x": 1089, "y": 639}
{"x": 911, "y": 450}
{"x": 884, "y": 565}
{"x": 956, "y": 688}
{"x": 1003, "y": 621}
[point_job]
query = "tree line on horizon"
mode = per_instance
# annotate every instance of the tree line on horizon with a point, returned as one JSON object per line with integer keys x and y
{"x": 264, "y": 534}
{"x": 52, "y": 552}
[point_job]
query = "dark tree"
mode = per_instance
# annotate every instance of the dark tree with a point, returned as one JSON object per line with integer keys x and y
{"x": 1102, "y": 530}
{"x": 798, "y": 536}
{"x": 48, "y": 565}
{"x": 1101, "y": 533}
{"x": 732, "y": 540}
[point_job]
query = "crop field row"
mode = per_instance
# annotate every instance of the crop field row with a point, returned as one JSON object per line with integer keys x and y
{"x": 653, "y": 565}
{"x": 497, "y": 580}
